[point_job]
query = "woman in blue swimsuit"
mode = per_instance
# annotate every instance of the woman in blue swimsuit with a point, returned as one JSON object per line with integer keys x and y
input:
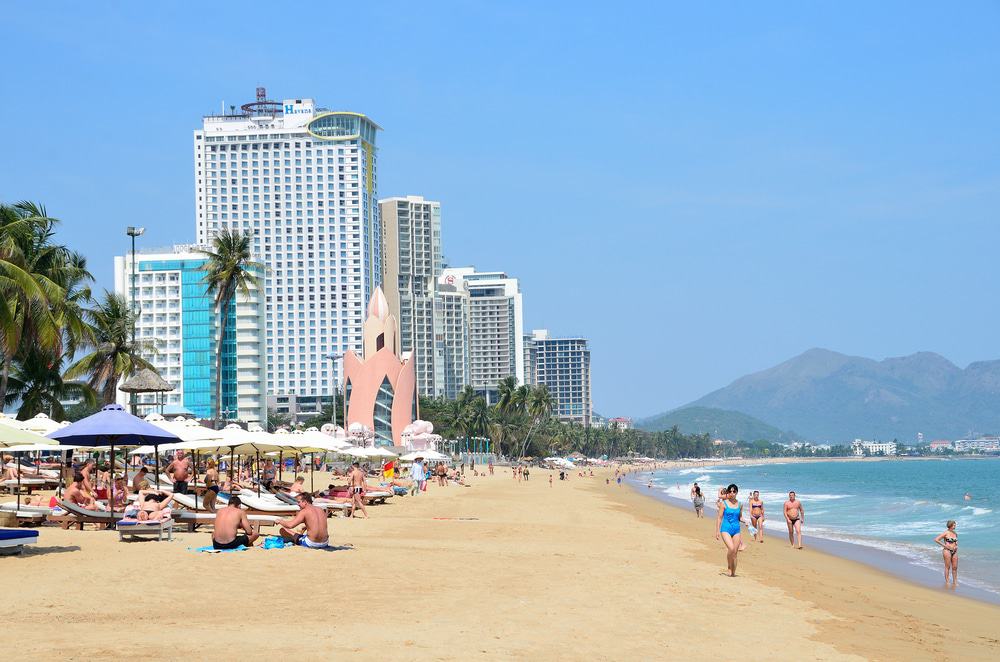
{"x": 728, "y": 526}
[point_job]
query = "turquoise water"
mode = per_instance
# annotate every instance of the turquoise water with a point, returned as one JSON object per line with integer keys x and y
{"x": 894, "y": 506}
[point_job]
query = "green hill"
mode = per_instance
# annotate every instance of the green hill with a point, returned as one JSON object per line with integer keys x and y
{"x": 720, "y": 423}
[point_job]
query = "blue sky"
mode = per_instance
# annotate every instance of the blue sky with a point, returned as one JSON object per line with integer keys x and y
{"x": 703, "y": 189}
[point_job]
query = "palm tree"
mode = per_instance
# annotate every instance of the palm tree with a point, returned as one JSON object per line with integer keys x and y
{"x": 115, "y": 354}
{"x": 506, "y": 395}
{"x": 37, "y": 384}
{"x": 539, "y": 407}
{"x": 26, "y": 290}
{"x": 230, "y": 269}
{"x": 477, "y": 418}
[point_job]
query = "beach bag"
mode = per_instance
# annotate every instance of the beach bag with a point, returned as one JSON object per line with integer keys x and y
{"x": 274, "y": 542}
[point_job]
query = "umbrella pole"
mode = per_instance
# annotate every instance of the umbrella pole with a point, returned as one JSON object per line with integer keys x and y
{"x": 258, "y": 473}
{"x": 111, "y": 501}
{"x": 312, "y": 472}
{"x": 281, "y": 464}
{"x": 196, "y": 480}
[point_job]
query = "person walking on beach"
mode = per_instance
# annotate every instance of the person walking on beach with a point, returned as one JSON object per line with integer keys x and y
{"x": 698, "y": 499}
{"x": 795, "y": 515}
{"x": 418, "y": 475}
{"x": 949, "y": 544}
{"x": 728, "y": 526}
{"x": 550, "y": 480}
{"x": 356, "y": 483}
{"x": 757, "y": 515}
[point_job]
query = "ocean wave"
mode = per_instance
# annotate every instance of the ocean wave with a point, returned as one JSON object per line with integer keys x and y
{"x": 694, "y": 470}
{"x": 978, "y": 511}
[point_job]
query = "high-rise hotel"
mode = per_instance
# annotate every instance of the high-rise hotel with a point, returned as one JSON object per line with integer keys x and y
{"x": 303, "y": 180}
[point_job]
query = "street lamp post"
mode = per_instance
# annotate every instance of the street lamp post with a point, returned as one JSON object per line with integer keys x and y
{"x": 333, "y": 376}
{"x": 133, "y": 232}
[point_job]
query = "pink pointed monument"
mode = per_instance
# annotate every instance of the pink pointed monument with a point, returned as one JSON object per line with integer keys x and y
{"x": 380, "y": 389}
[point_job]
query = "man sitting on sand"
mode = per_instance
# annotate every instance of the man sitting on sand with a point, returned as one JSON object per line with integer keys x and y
{"x": 228, "y": 521}
{"x": 315, "y": 535}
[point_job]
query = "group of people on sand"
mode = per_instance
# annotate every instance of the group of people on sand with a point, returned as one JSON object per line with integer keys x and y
{"x": 731, "y": 517}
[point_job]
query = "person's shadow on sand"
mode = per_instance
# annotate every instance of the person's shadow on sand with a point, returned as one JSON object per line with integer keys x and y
{"x": 40, "y": 551}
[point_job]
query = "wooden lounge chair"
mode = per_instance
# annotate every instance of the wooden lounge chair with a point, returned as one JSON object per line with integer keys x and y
{"x": 136, "y": 529}
{"x": 326, "y": 504}
{"x": 12, "y": 541}
{"x": 75, "y": 515}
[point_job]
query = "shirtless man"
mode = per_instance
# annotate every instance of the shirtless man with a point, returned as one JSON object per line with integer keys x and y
{"x": 77, "y": 494}
{"x": 228, "y": 521}
{"x": 316, "y": 534}
{"x": 795, "y": 515}
{"x": 356, "y": 483}
{"x": 87, "y": 485}
{"x": 180, "y": 470}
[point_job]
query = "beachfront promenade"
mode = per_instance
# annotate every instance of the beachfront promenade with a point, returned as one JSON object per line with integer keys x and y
{"x": 502, "y": 569}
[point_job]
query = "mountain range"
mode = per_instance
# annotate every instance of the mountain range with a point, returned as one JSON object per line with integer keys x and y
{"x": 830, "y": 397}
{"x": 719, "y": 423}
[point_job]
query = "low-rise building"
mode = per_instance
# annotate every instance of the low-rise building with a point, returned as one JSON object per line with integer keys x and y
{"x": 862, "y": 448}
{"x": 940, "y": 445}
{"x": 981, "y": 445}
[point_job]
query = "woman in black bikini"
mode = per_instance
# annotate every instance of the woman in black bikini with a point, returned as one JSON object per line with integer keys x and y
{"x": 757, "y": 516}
{"x": 949, "y": 543}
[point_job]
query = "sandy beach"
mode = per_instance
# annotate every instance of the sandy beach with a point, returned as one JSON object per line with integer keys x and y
{"x": 502, "y": 569}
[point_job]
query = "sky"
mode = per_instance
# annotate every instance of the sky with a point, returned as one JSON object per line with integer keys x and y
{"x": 701, "y": 189}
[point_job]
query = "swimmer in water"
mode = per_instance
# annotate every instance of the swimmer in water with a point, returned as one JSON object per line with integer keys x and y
{"x": 968, "y": 497}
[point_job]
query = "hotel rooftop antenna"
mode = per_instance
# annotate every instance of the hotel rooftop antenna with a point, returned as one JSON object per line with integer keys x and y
{"x": 262, "y": 106}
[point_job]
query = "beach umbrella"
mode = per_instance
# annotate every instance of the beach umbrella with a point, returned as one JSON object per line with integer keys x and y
{"x": 380, "y": 451}
{"x": 40, "y": 423}
{"x": 427, "y": 455}
{"x": 12, "y": 436}
{"x": 113, "y": 426}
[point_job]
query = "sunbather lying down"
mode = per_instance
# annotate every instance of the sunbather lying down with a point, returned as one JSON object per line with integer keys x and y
{"x": 150, "y": 506}
{"x": 37, "y": 500}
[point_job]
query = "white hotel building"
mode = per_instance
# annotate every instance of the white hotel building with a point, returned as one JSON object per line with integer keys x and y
{"x": 303, "y": 180}
{"x": 495, "y": 327}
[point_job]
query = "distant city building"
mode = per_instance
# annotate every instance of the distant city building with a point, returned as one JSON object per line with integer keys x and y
{"x": 862, "y": 448}
{"x": 412, "y": 268}
{"x": 380, "y": 386}
{"x": 496, "y": 327}
{"x": 939, "y": 445}
{"x": 179, "y": 320}
{"x": 620, "y": 423}
{"x": 980, "y": 445}
{"x": 451, "y": 338}
{"x": 562, "y": 365}
{"x": 302, "y": 181}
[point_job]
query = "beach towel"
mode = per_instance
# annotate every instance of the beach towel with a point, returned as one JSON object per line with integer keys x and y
{"x": 211, "y": 550}
{"x": 276, "y": 542}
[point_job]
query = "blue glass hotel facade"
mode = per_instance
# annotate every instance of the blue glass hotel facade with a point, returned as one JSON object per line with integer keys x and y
{"x": 178, "y": 320}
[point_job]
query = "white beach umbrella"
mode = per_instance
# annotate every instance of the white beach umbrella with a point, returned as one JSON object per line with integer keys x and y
{"x": 427, "y": 455}
{"x": 41, "y": 424}
{"x": 381, "y": 451}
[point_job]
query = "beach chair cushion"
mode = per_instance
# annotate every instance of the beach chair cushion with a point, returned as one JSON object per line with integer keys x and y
{"x": 17, "y": 537}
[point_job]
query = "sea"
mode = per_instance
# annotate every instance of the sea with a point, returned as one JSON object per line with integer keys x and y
{"x": 884, "y": 513}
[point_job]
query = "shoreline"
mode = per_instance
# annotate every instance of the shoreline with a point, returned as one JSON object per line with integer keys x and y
{"x": 882, "y": 560}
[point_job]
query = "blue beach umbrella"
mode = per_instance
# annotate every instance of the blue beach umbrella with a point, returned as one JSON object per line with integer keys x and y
{"x": 113, "y": 426}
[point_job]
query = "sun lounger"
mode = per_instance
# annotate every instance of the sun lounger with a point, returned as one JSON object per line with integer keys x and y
{"x": 137, "y": 529}
{"x": 319, "y": 503}
{"x": 75, "y": 515}
{"x": 28, "y": 484}
{"x": 40, "y": 473}
{"x": 12, "y": 541}
{"x": 26, "y": 514}
{"x": 193, "y": 520}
